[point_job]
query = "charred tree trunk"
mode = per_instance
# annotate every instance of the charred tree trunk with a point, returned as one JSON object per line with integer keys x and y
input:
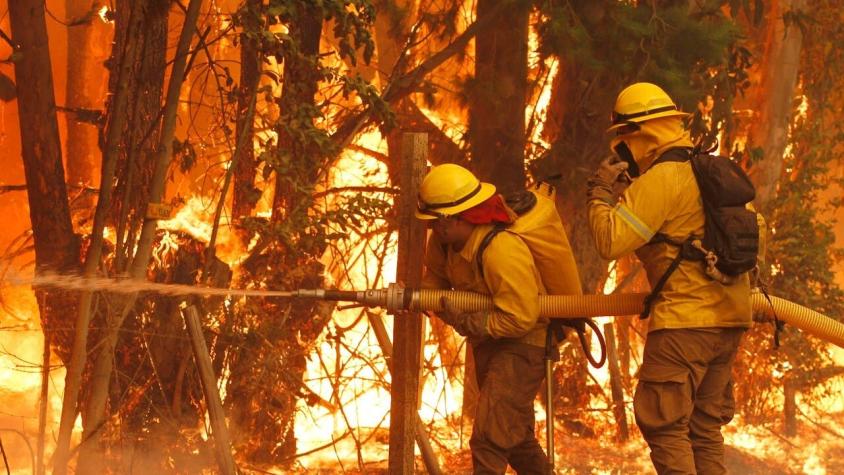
{"x": 78, "y": 357}
{"x": 128, "y": 47}
{"x": 87, "y": 51}
{"x": 778, "y": 71}
{"x": 497, "y": 97}
{"x": 245, "y": 193}
{"x": 292, "y": 199}
{"x": 292, "y": 195}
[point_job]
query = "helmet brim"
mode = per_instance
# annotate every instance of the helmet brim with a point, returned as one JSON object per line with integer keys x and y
{"x": 486, "y": 192}
{"x": 658, "y": 115}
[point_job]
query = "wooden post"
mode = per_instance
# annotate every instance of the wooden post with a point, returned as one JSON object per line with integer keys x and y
{"x": 222, "y": 441}
{"x": 407, "y": 328}
{"x": 616, "y": 384}
{"x": 428, "y": 455}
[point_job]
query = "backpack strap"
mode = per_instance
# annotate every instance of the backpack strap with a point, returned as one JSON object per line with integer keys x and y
{"x": 479, "y": 254}
{"x": 678, "y": 154}
{"x": 687, "y": 251}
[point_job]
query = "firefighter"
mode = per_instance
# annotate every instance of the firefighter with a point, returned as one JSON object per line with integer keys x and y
{"x": 508, "y": 342}
{"x": 684, "y": 395}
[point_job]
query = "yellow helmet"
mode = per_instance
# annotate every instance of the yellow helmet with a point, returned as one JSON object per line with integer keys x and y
{"x": 450, "y": 189}
{"x": 640, "y": 102}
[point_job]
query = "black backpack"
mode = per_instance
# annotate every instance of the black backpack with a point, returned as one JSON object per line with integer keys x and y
{"x": 730, "y": 243}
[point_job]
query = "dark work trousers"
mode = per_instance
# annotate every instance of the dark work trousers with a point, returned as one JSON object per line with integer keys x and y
{"x": 685, "y": 396}
{"x": 509, "y": 375}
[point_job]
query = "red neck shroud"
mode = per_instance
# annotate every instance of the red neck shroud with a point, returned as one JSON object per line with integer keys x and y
{"x": 493, "y": 210}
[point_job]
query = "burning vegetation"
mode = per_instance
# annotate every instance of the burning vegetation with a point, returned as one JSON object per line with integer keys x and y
{"x": 259, "y": 144}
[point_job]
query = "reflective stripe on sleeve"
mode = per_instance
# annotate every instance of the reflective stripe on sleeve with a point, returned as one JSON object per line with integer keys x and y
{"x": 634, "y": 222}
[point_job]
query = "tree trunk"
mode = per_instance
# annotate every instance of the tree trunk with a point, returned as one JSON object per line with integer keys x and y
{"x": 292, "y": 194}
{"x": 778, "y": 71}
{"x": 245, "y": 193}
{"x": 497, "y": 97}
{"x": 56, "y": 247}
{"x": 127, "y": 47}
{"x": 43, "y": 402}
{"x": 139, "y": 130}
{"x": 87, "y": 51}
{"x": 101, "y": 373}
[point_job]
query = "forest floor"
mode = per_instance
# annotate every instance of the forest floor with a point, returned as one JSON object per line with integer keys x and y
{"x": 750, "y": 449}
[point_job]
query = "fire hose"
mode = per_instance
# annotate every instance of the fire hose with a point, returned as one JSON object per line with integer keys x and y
{"x": 396, "y": 298}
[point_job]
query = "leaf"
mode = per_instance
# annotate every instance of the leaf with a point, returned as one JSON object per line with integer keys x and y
{"x": 8, "y": 92}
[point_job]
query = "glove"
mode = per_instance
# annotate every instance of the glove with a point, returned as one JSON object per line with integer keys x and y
{"x": 468, "y": 324}
{"x": 600, "y": 184}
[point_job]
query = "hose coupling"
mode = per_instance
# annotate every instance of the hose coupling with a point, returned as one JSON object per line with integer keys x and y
{"x": 394, "y": 298}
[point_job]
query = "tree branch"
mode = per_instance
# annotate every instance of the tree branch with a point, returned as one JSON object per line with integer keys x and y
{"x": 8, "y": 40}
{"x": 400, "y": 87}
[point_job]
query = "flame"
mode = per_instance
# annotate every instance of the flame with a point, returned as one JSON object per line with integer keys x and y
{"x": 21, "y": 354}
{"x": 105, "y": 14}
{"x": 537, "y": 111}
{"x": 359, "y": 382}
{"x": 800, "y": 115}
{"x": 195, "y": 218}
{"x": 602, "y": 374}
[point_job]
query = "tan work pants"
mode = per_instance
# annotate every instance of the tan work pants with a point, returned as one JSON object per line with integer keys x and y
{"x": 685, "y": 396}
{"x": 509, "y": 375}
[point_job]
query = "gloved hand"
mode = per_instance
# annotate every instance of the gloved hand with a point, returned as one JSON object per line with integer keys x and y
{"x": 600, "y": 184}
{"x": 468, "y": 324}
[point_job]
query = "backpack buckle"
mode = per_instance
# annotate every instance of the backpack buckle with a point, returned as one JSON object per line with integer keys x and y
{"x": 711, "y": 259}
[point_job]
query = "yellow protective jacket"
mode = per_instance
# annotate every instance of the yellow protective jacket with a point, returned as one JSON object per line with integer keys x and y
{"x": 666, "y": 199}
{"x": 512, "y": 264}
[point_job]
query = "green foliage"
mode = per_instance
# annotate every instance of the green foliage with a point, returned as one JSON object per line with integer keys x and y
{"x": 691, "y": 55}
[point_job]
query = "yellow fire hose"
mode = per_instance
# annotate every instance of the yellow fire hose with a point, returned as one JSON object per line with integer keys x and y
{"x": 574, "y": 306}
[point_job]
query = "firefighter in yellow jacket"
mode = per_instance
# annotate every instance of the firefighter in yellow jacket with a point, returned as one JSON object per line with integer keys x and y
{"x": 684, "y": 395}
{"x": 508, "y": 342}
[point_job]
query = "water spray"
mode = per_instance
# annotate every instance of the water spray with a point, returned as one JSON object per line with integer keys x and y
{"x": 395, "y": 298}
